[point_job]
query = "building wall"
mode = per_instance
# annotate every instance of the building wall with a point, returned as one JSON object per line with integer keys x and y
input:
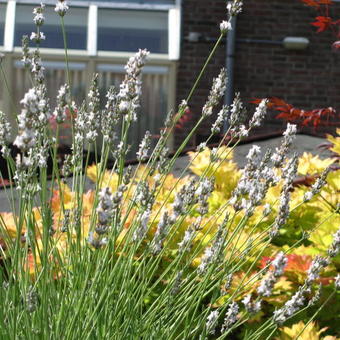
{"x": 306, "y": 79}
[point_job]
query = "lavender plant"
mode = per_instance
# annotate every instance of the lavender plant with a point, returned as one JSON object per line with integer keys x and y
{"x": 143, "y": 255}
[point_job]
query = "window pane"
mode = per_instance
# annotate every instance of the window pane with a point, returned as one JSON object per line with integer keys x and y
{"x": 75, "y": 25}
{"x": 130, "y": 30}
{"x": 2, "y": 22}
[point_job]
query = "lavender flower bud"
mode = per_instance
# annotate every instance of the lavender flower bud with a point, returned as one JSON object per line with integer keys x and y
{"x": 110, "y": 117}
{"x": 203, "y": 192}
{"x": 131, "y": 87}
{"x": 234, "y": 7}
{"x": 316, "y": 296}
{"x": 66, "y": 221}
{"x": 61, "y": 7}
{"x": 212, "y": 254}
{"x": 184, "y": 199}
{"x": 216, "y": 93}
{"x": 5, "y": 135}
{"x": 318, "y": 264}
{"x": 143, "y": 195}
{"x": 189, "y": 234}
{"x": 317, "y": 186}
{"x": 104, "y": 210}
{"x": 225, "y": 26}
{"x": 252, "y": 307}
{"x": 32, "y": 300}
{"x": 66, "y": 169}
{"x": 267, "y": 284}
{"x": 228, "y": 283}
{"x": 184, "y": 245}
{"x": 26, "y": 57}
{"x": 160, "y": 234}
{"x": 63, "y": 100}
{"x": 92, "y": 118}
{"x": 127, "y": 175}
{"x": 221, "y": 117}
{"x": 231, "y": 316}
{"x": 201, "y": 147}
{"x": 38, "y": 12}
{"x": 280, "y": 152}
{"x": 291, "y": 306}
{"x": 284, "y": 209}
{"x": 96, "y": 242}
{"x": 259, "y": 114}
{"x": 236, "y": 112}
{"x": 211, "y": 322}
{"x": 334, "y": 249}
{"x": 279, "y": 264}
{"x": 176, "y": 286}
{"x": 37, "y": 37}
{"x": 267, "y": 209}
{"x": 142, "y": 228}
{"x": 144, "y": 147}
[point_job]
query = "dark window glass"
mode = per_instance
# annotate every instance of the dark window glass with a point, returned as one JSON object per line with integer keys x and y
{"x": 2, "y": 22}
{"x": 75, "y": 26}
{"x": 127, "y": 31}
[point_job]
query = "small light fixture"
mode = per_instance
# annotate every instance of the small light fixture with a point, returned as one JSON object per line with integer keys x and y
{"x": 295, "y": 43}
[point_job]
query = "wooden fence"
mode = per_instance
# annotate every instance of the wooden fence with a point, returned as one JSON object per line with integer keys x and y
{"x": 157, "y": 89}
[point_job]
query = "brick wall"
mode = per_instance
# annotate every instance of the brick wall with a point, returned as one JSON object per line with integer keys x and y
{"x": 307, "y": 79}
{"x": 203, "y": 17}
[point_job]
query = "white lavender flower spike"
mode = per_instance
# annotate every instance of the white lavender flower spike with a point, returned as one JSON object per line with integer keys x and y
{"x": 231, "y": 316}
{"x": 5, "y": 135}
{"x": 259, "y": 114}
{"x": 38, "y": 12}
{"x": 216, "y": 93}
{"x": 63, "y": 100}
{"x": 334, "y": 248}
{"x": 211, "y": 322}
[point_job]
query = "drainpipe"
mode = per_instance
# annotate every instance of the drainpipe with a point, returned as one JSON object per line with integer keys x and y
{"x": 230, "y": 56}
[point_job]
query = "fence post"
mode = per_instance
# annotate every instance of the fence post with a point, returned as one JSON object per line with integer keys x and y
{"x": 171, "y": 105}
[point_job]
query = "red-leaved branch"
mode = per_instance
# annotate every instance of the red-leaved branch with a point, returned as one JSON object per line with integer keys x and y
{"x": 324, "y": 21}
{"x": 313, "y": 118}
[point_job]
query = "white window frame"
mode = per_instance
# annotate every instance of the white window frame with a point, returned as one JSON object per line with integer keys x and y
{"x": 174, "y": 26}
{"x": 9, "y": 26}
{"x": 92, "y": 29}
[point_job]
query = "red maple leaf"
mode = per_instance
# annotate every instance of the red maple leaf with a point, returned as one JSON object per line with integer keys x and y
{"x": 323, "y": 23}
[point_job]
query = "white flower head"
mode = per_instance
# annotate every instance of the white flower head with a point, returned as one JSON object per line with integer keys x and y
{"x": 37, "y": 37}
{"x": 254, "y": 153}
{"x": 225, "y": 26}
{"x": 61, "y": 7}
{"x": 234, "y": 7}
